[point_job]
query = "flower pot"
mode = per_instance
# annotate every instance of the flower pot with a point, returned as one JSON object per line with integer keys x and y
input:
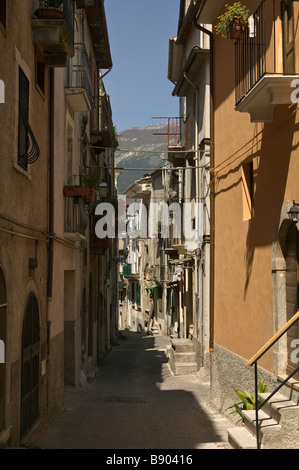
{"x": 237, "y": 28}
{"x": 80, "y": 191}
{"x": 49, "y": 13}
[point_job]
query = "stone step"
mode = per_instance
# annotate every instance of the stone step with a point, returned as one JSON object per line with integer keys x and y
{"x": 184, "y": 356}
{"x": 241, "y": 438}
{"x": 277, "y": 404}
{"x": 182, "y": 345}
{"x": 290, "y": 389}
{"x": 185, "y": 368}
{"x": 264, "y": 420}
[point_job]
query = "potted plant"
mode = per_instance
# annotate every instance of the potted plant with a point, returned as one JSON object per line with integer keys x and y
{"x": 50, "y": 9}
{"x": 232, "y": 23}
{"x": 247, "y": 400}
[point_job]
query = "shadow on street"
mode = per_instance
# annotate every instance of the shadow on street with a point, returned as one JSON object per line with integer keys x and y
{"x": 135, "y": 402}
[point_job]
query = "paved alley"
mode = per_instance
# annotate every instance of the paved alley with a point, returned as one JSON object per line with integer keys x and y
{"x": 136, "y": 403}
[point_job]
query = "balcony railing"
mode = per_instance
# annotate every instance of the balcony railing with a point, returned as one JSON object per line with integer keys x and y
{"x": 250, "y": 51}
{"x": 164, "y": 273}
{"x": 101, "y": 119}
{"x": 79, "y": 82}
{"x": 76, "y": 219}
{"x": 172, "y": 128}
{"x": 265, "y": 61}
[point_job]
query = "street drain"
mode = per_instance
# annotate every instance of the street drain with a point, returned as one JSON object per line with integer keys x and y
{"x": 124, "y": 399}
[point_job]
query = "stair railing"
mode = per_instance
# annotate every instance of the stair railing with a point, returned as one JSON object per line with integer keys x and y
{"x": 254, "y": 360}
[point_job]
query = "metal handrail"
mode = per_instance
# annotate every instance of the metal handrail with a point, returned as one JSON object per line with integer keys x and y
{"x": 257, "y": 356}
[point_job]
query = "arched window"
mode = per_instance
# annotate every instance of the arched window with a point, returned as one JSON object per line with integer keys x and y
{"x": 30, "y": 365}
{"x": 3, "y": 320}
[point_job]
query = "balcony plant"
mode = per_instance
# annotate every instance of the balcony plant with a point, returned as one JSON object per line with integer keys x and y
{"x": 232, "y": 23}
{"x": 50, "y": 9}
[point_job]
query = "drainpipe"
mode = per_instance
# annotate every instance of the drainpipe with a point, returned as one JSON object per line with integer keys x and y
{"x": 51, "y": 190}
{"x": 212, "y": 196}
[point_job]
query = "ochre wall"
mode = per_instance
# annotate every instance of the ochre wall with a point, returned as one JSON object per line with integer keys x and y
{"x": 243, "y": 248}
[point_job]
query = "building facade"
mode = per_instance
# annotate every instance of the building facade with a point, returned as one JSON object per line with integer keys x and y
{"x": 254, "y": 179}
{"x": 189, "y": 151}
{"x": 56, "y": 127}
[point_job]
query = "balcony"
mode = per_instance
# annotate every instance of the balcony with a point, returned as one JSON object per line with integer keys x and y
{"x": 79, "y": 87}
{"x": 76, "y": 219}
{"x": 98, "y": 246}
{"x": 130, "y": 271}
{"x": 265, "y": 62}
{"x": 164, "y": 273}
{"x": 53, "y": 32}
{"x": 101, "y": 124}
{"x": 173, "y": 128}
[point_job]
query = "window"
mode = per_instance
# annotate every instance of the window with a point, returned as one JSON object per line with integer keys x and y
{"x": 248, "y": 189}
{"x": 39, "y": 70}
{"x": 3, "y": 14}
{"x": 28, "y": 150}
{"x": 23, "y": 118}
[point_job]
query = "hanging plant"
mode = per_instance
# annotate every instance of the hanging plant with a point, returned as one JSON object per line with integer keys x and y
{"x": 232, "y": 23}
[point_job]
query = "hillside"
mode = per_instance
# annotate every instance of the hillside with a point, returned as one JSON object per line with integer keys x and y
{"x": 138, "y": 147}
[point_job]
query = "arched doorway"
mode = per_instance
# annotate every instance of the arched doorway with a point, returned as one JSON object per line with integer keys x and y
{"x": 3, "y": 320}
{"x": 291, "y": 256}
{"x": 30, "y": 365}
{"x": 285, "y": 287}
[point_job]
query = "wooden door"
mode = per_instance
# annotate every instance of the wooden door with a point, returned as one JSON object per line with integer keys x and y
{"x": 30, "y": 366}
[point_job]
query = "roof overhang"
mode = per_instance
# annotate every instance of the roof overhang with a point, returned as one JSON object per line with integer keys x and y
{"x": 175, "y": 58}
{"x": 189, "y": 75}
{"x": 209, "y": 10}
{"x": 96, "y": 17}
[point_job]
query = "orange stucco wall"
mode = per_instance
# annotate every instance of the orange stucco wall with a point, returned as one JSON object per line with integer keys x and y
{"x": 243, "y": 248}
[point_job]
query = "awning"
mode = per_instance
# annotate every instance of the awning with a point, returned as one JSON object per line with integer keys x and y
{"x": 152, "y": 287}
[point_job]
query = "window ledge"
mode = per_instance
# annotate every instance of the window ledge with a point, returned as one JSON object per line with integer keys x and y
{"x": 22, "y": 171}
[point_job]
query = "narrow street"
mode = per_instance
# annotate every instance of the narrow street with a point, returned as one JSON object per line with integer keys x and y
{"x": 135, "y": 402}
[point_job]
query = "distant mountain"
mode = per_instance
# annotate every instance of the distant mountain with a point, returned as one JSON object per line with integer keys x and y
{"x": 139, "y": 147}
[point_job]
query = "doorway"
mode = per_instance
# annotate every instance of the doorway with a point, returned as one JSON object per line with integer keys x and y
{"x": 3, "y": 320}
{"x": 30, "y": 365}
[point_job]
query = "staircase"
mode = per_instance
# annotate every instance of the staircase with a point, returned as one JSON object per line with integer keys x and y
{"x": 182, "y": 357}
{"x": 278, "y": 420}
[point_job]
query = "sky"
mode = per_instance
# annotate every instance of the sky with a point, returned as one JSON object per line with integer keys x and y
{"x": 139, "y": 32}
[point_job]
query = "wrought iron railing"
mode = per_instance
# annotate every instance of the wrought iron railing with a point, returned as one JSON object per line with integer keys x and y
{"x": 78, "y": 74}
{"x": 250, "y": 53}
{"x": 101, "y": 114}
{"x": 163, "y": 273}
{"x": 254, "y": 361}
{"x": 172, "y": 127}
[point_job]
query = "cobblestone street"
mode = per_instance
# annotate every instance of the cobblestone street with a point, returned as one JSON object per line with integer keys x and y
{"x": 135, "y": 402}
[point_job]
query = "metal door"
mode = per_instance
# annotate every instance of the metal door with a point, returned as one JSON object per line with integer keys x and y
{"x": 30, "y": 366}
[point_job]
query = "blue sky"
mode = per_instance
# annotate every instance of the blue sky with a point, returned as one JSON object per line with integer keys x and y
{"x": 139, "y": 31}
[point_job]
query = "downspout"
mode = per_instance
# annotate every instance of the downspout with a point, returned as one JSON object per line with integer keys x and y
{"x": 51, "y": 187}
{"x": 212, "y": 196}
